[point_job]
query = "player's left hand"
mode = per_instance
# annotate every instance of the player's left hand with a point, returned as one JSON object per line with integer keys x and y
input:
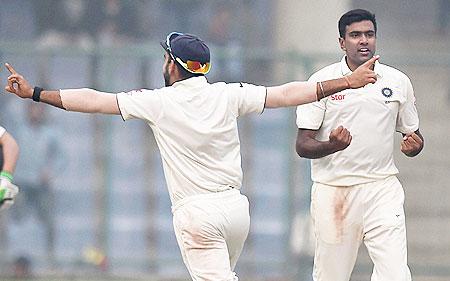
{"x": 17, "y": 84}
{"x": 8, "y": 192}
{"x": 411, "y": 144}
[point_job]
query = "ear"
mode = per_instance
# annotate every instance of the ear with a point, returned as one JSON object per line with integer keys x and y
{"x": 342, "y": 44}
{"x": 172, "y": 67}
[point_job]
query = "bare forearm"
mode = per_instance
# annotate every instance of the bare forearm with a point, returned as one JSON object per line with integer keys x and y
{"x": 82, "y": 100}
{"x": 51, "y": 98}
{"x": 313, "y": 149}
{"x": 89, "y": 101}
{"x": 78, "y": 100}
{"x": 296, "y": 93}
{"x": 334, "y": 86}
{"x": 10, "y": 153}
{"x": 291, "y": 94}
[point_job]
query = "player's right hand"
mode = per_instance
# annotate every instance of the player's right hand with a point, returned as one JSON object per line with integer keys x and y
{"x": 8, "y": 192}
{"x": 340, "y": 138}
{"x": 17, "y": 84}
{"x": 364, "y": 74}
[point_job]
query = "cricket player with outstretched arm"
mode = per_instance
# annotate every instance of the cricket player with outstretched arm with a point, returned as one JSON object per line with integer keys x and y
{"x": 356, "y": 196}
{"x": 195, "y": 127}
{"x": 10, "y": 149}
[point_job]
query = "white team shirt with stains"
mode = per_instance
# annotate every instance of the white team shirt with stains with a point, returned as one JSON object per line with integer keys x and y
{"x": 372, "y": 115}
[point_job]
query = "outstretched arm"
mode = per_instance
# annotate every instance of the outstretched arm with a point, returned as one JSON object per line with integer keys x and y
{"x": 10, "y": 153}
{"x": 296, "y": 93}
{"x": 79, "y": 100}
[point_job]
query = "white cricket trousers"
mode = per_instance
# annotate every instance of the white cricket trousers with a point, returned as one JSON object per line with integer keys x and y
{"x": 211, "y": 230}
{"x": 372, "y": 213}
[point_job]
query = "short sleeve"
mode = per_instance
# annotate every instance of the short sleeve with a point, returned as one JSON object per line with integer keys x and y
{"x": 310, "y": 116}
{"x": 140, "y": 104}
{"x": 2, "y": 131}
{"x": 408, "y": 118}
{"x": 247, "y": 98}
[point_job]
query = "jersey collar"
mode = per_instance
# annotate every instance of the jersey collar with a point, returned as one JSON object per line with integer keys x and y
{"x": 191, "y": 82}
{"x": 345, "y": 70}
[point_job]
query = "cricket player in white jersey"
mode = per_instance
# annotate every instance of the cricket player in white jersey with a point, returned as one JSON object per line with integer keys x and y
{"x": 356, "y": 196}
{"x": 10, "y": 154}
{"x": 195, "y": 127}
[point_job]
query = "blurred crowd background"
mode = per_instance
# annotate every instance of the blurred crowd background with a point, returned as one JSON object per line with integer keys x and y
{"x": 94, "y": 201}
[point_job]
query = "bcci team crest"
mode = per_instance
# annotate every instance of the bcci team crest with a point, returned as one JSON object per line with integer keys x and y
{"x": 387, "y": 92}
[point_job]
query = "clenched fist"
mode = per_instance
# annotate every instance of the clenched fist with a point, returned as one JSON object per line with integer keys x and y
{"x": 340, "y": 138}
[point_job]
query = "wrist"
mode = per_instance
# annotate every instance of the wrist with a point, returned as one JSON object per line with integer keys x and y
{"x": 347, "y": 81}
{"x": 36, "y": 96}
{"x": 331, "y": 147}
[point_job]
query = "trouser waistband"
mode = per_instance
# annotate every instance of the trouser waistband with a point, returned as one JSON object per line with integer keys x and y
{"x": 206, "y": 196}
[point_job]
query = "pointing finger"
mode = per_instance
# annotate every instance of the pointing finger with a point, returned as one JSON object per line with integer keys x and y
{"x": 371, "y": 61}
{"x": 10, "y": 68}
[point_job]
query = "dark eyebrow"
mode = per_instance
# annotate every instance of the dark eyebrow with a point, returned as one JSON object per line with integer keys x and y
{"x": 359, "y": 32}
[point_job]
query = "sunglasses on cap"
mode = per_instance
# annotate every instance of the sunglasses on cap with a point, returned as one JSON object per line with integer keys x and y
{"x": 191, "y": 66}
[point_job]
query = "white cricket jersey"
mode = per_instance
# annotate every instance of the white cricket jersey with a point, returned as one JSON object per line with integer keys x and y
{"x": 2, "y": 131}
{"x": 372, "y": 114}
{"x": 195, "y": 127}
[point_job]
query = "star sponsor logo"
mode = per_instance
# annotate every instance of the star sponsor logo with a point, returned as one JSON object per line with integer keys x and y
{"x": 338, "y": 97}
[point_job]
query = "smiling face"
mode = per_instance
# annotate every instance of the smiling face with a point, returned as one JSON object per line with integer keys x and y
{"x": 359, "y": 43}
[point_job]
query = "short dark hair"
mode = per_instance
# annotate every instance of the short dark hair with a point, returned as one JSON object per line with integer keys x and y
{"x": 352, "y": 16}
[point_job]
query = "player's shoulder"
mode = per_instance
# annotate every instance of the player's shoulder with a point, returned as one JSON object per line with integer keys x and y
{"x": 234, "y": 87}
{"x": 392, "y": 72}
{"x": 144, "y": 92}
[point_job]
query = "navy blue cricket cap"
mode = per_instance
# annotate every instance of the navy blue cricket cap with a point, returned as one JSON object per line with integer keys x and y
{"x": 187, "y": 47}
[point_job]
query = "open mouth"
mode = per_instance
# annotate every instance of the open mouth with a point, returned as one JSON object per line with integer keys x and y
{"x": 364, "y": 51}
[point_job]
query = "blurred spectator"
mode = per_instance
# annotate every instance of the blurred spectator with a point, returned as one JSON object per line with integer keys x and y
{"x": 227, "y": 60}
{"x": 65, "y": 23}
{"x": 82, "y": 23}
{"x": 17, "y": 20}
{"x": 119, "y": 22}
{"x": 22, "y": 268}
{"x": 40, "y": 160}
{"x": 181, "y": 15}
